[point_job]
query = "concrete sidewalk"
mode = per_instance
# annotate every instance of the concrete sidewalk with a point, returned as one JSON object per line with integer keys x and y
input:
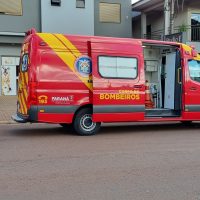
{"x": 8, "y": 107}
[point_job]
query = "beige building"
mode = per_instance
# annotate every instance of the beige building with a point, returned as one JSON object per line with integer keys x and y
{"x": 165, "y": 20}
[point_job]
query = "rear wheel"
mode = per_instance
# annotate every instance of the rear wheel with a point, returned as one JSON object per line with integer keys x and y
{"x": 83, "y": 124}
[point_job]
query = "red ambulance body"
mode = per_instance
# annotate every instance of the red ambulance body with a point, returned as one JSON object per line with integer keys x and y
{"x": 81, "y": 81}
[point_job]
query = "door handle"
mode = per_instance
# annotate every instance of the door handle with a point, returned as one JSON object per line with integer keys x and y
{"x": 179, "y": 75}
{"x": 193, "y": 88}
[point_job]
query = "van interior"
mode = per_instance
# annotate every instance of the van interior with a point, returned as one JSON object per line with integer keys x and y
{"x": 163, "y": 89}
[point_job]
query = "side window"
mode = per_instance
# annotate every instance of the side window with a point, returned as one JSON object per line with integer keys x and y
{"x": 118, "y": 67}
{"x": 194, "y": 69}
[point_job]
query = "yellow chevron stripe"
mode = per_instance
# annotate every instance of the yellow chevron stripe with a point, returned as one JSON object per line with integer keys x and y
{"x": 24, "y": 104}
{"x": 22, "y": 97}
{"x": 23, "y": 85}
{"x": 59, "y": 42}
{"x": 26, "y": 77}
{"x": 19, "y": 94}
{"x": 69, "y": 45}
{"x": 19, "y": 100}
{"x": 21, "y": 103}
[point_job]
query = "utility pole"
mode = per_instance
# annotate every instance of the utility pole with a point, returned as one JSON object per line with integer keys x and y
{"x": 172, "y": 17}
{"x": 167, "y": 16}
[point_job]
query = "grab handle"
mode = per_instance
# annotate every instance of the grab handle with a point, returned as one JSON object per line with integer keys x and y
{"x": 179, "y": 76}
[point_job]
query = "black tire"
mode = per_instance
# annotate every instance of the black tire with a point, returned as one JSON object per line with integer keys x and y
{"x": 186, "y": 123}
{"x": 83, "y": 124}
{"x": 67, "y": 126}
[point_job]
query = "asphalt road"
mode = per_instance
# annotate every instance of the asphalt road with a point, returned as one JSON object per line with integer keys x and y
{"x": 135, "y": 162}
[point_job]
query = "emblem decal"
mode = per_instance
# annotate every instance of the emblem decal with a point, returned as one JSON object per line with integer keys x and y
{"x": 83, "y": 65}
{"x": 43, "y": 99}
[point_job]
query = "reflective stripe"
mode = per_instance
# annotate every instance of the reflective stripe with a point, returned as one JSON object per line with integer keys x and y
{"x": 57, "y": 109}
{"x": 118, "y": 109}
{"x": 192, "y": 108}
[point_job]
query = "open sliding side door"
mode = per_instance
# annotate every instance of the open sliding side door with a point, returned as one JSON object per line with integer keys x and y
{"x": 118, "y": 80}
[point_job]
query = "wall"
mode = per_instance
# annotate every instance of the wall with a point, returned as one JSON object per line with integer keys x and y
{"x": 30, "y": 18}
{"x": 136, "y": 27}
{"x": 181, "y": 17}
{"x": 67, "y": 18}
{"x": 8, "y": 50}
{"x": 123, "y": 29}
{"x": 155, "y": 21}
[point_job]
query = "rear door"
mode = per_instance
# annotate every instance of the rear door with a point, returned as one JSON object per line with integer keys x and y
{"x": 118, "y": 81}
{"x": 23, "y": 81}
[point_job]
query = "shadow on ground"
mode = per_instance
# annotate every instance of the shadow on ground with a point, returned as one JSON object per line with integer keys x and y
{"x": 52, "y": 130}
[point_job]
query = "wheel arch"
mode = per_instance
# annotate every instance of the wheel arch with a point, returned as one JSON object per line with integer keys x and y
{"x": 80, "y": 108}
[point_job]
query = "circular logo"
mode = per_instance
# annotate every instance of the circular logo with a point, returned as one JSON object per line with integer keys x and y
{"x": 83, "y": 65}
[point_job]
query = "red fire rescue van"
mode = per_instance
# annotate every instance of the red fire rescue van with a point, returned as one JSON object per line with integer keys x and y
{"x": 81, "y": 81}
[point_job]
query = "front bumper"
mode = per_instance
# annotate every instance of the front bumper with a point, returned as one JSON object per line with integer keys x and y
{"x": 18, "y": 118}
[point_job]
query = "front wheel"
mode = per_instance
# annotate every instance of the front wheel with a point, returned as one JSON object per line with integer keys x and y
{"x": 186, "y": 123}
{"x": 83, "y": 124}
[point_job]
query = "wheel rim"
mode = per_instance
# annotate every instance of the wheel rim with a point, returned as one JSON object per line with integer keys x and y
{"x": 86, "y": 123}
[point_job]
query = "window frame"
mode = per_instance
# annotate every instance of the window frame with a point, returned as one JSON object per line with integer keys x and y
{"x": 194, "y": 28}
{"x": 120, "y": 15}
{"x": 192, "y": 14}
{"x": 20, "y": 13}
{"x": 137, "y": 67}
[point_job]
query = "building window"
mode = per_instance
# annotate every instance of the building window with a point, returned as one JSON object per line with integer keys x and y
{"x": 56, "y": 2}
{"x": 195, "y": 26}
{"x": 80, "y": 3}
{"x": 11, "y": 7}
{"x": 118, "y": 67}
{"x": 110, "y": 12}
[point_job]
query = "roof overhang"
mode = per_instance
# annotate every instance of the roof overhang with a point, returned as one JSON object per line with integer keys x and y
{"x": 148, "y": 5}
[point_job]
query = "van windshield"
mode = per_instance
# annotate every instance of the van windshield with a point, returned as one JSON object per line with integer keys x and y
{"x": 194, "y": 69}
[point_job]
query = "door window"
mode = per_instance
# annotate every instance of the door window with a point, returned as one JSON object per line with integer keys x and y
{"x": 118, "y": 67}
{"x": 194, "y": 70}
